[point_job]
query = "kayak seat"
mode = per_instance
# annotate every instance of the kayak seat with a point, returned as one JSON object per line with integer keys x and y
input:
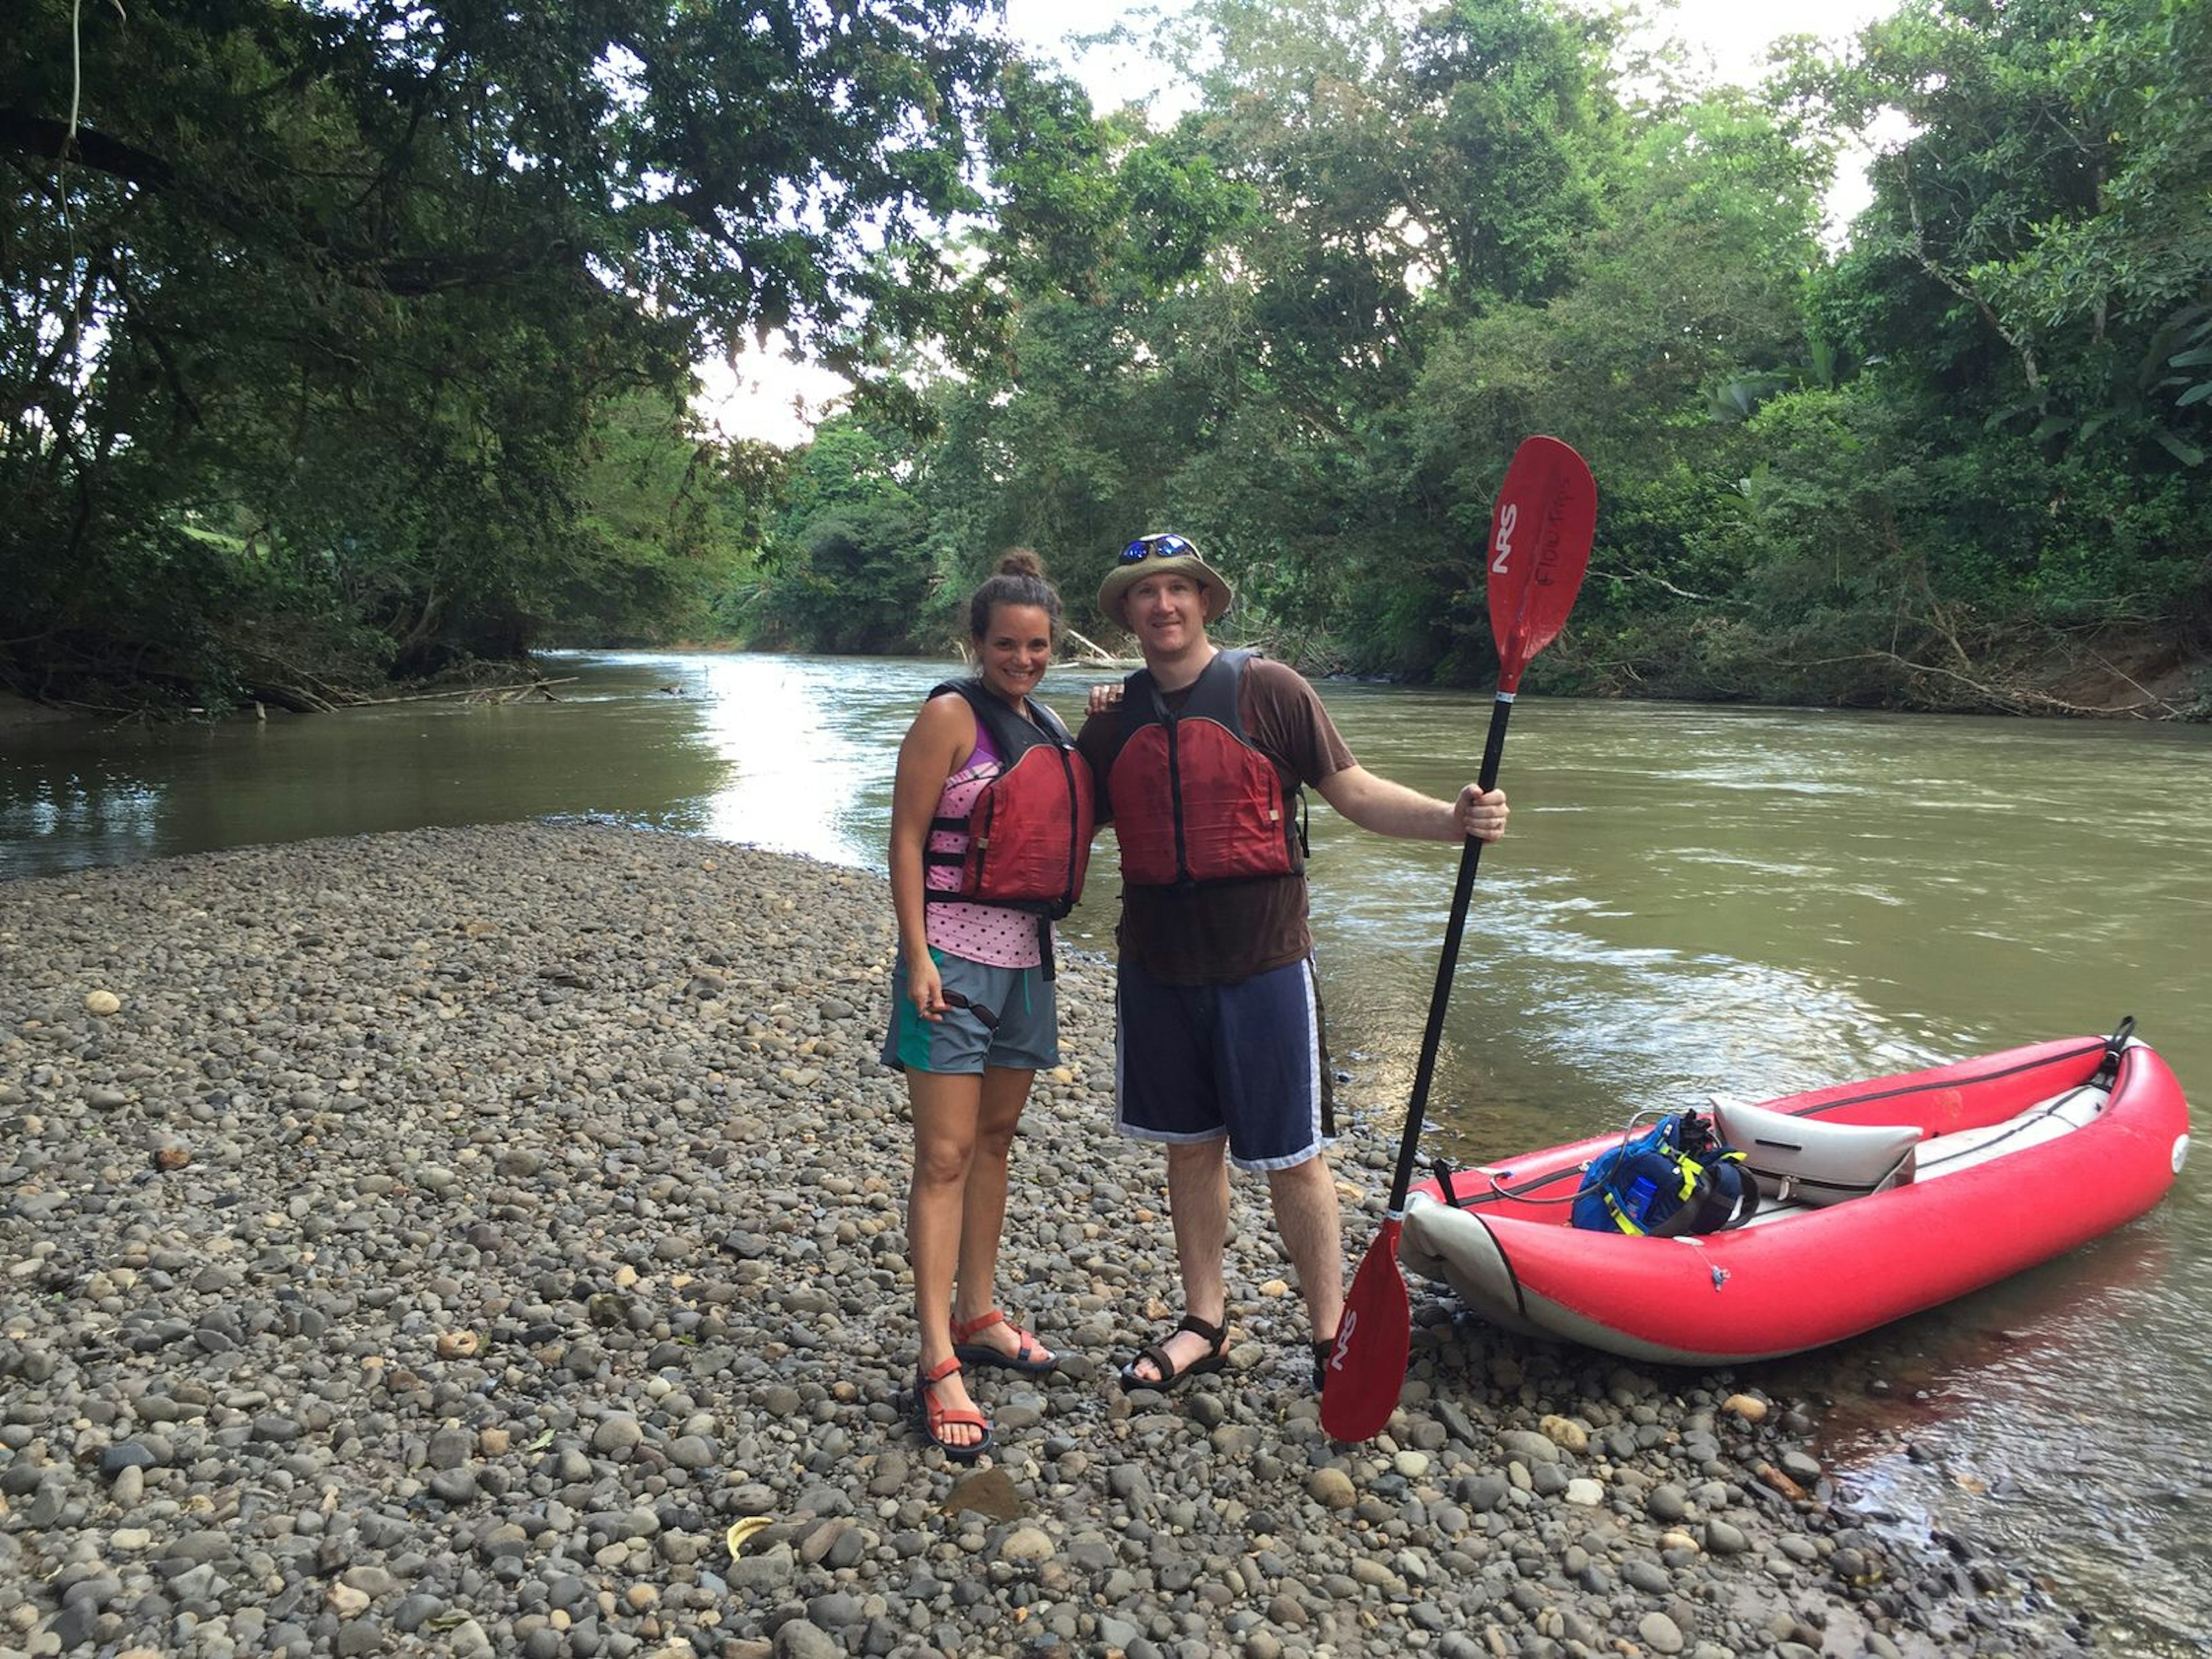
{"x": 1805, "y": 1161}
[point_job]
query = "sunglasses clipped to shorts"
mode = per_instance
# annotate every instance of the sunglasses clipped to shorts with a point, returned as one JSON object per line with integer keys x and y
{"x": 955, "y": 999}
{"x": 1157, "y": 547}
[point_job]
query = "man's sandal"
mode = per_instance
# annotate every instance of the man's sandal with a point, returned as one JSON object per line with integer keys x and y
{"x": 932, "y": 1418}
{"x": 1030, "y": 1355}
{"x": 1170, "y": 1378}
{"x": 1322, "y": 1353}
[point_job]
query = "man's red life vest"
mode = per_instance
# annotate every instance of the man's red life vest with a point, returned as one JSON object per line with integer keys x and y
{"x": 1026, "y": 839}
{"x": 1193, "y": 801}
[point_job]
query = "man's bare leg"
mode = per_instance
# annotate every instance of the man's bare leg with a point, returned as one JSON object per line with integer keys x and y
{"x": 1308, "y": 1218}
{"x": 1198, "y": 1204}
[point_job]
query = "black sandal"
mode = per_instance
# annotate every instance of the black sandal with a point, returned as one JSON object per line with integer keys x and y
{"x": 1171, "y": 1379}
{"x": 1323, "y": 1353}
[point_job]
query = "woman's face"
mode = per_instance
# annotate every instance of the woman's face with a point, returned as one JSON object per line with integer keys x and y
{"x": 1015, "y": 650}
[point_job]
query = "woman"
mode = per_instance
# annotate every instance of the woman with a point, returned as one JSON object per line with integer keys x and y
{"x": 991, "y": 820}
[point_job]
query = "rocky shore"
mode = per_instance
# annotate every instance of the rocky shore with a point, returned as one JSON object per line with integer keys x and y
{"x": 491, "y": 1242}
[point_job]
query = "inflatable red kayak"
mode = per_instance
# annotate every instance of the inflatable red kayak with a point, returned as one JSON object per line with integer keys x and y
{"x": 1876, "y": 1199}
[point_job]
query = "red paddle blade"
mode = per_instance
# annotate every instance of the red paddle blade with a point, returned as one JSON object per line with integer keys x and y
{"x": 1540, "y": 545}
{"x": 1368, "y": 1369}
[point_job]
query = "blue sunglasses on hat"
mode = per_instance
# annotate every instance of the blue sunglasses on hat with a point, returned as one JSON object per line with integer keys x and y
{"x": 1162, "y": 547}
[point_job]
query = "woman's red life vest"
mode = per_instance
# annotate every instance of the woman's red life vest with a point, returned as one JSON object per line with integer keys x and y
{"x": 1193, "y": 801}
{"x": 1026, "y": 839}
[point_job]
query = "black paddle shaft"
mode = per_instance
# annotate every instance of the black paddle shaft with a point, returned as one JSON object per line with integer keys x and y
{"x": 1470, "y": 856}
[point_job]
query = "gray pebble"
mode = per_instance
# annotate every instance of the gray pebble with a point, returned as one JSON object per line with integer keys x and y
{"x": 800, "y": 1640}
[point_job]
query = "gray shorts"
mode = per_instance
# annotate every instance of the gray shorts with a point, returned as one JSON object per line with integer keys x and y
{"x": 1026, "y": 1037}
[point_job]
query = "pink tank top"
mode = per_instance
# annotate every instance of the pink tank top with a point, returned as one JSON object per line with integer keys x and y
{"x": 987, "y": 933}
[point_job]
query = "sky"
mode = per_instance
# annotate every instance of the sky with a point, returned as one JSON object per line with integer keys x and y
{"x": 764, "y": 395}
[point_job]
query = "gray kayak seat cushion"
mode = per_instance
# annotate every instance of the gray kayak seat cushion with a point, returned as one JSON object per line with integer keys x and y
{"x": 1806, "y": 1161}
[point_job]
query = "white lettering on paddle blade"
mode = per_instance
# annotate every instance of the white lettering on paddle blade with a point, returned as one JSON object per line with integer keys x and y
{"x": 1343, "y": 1340}
{"x": 1508, "y": 516}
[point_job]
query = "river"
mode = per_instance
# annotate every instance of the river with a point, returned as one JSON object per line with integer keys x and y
{"x": 1692, "y": 900}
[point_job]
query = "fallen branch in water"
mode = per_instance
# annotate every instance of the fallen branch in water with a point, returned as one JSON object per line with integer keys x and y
{"x": 469, "y": 692}
{"x": 1098, "y": 654}
{"x": 2012, "y": 699}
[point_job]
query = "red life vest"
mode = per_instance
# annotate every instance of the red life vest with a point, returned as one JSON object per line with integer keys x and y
{"x": 1193, "y": 801}
{"x": 1026, "y": 839}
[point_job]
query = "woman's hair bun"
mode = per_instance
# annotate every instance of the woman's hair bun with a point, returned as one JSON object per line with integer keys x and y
{"x": 1020, "y": 579}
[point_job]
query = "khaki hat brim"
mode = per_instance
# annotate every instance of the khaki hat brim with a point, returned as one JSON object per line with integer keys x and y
{"x": 1219, "y": 596}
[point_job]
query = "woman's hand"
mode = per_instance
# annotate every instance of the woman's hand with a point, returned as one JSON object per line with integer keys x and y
{"x": 924, "y": 988}
{"x": 1106, "y": 694}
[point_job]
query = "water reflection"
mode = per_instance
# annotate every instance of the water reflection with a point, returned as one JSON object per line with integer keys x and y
{"x": 71, "y": 796}
{"x": 806, "y": 758}
{"x": 2038, "y": 1417}
{"x": 114, "y": 818}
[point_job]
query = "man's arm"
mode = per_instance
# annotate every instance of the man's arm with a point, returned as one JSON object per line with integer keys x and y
{"x": 1385, "y": 808}
{"x": 1095, "y": 743}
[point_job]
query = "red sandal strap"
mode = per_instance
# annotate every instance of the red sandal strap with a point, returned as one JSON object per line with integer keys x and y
{"x": 965, "y": 1330}
{"x": 938, "y": 1417}
{"x": 944, "y": 1417}
{"x": 931, "y": 1378}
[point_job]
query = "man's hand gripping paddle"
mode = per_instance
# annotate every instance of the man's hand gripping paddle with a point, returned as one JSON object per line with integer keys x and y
{"x": 1540, "y": 545}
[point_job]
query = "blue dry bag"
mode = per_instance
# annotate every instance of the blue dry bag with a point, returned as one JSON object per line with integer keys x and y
{"x": 1674, "y": 1178}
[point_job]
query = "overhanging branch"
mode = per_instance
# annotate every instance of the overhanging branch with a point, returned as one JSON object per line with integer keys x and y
{"x": 39, "y": 137}
{"x": 43, "y": 138}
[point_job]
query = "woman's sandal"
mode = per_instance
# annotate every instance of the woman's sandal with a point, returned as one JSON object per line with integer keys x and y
{"x": 1030, "y": 1355}
{"x": 932, "y": 1418}
{"x": 1171, "y": 1379}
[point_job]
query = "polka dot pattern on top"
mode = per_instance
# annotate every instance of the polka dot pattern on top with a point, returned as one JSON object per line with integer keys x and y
{"x": 982, "y": 932}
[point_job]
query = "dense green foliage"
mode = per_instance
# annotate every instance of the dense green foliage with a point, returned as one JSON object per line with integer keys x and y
{"x": 348, "y": 339}
{"x": 1954, "y": 464}
{"x": 345, "y": 337}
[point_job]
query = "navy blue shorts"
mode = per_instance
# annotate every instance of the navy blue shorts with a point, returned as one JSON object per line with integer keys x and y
{"x": 1196, "y": 1062}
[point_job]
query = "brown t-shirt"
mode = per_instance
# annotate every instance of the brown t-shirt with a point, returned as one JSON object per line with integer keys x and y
{"x": 1222, "y": 932}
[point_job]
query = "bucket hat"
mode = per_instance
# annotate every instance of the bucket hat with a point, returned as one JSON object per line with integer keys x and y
{"x": 1162, "y": 554}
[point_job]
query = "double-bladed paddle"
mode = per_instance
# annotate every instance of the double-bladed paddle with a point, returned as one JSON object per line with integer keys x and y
{"x": 1540, "y": 545}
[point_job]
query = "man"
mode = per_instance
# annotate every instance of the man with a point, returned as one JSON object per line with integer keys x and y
{"x": 1218, "y": 1019}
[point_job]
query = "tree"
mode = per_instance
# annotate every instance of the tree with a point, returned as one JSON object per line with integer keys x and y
{"x": 1246, "y": 379}
{"x": 851, "y": 567}
{"x": 669, "y": 520}
{"x": 352, "y": 280}
{"x": 2021, "y": 290}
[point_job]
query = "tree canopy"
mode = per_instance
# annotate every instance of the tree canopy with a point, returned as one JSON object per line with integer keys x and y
{"x": 312, "y": 308}
{"x": 1956, "y": 458}
{"x": 340, "y": 340}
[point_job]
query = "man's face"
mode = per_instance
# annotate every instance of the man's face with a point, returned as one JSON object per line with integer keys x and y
{"x": 1166, "y": 613}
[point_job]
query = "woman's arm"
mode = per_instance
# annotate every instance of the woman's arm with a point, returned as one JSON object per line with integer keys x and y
{"x": 940, "y": 740}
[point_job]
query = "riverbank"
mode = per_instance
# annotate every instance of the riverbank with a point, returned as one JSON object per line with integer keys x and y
{"x": 443, "y": 1238}
{"x": 2125, "y": 678}
{"x": 16, "y": 712}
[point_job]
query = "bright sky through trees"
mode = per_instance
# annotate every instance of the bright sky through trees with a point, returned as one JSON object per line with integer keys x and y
{"x": 764, "y": 395}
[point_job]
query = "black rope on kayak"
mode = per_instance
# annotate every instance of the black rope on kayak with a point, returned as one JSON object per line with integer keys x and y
{"x": 1447, "y": 1183}
{"x": 1926, "y": 1086}
{"x": 2108, "y": 1069}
